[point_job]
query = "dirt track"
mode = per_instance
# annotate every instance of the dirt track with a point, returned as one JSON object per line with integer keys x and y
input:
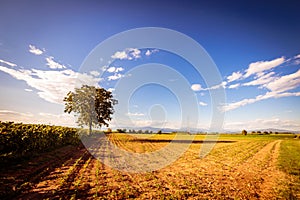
{"x": 230, "y": 172}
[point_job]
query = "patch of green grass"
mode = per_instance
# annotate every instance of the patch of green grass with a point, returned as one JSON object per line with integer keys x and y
{"x": 289, "y": 162}
{"x": 289, "y": 158}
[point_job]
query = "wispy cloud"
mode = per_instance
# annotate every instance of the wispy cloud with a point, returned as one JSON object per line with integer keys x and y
{"x": 261, "y": 66}
{"x": 8, "y": 113}
{"x": 234, "y": 86}
{"x": 63, "y": 119}
{"x": 127, "y": 54}
{"x": 197, "y": 87}
{"x": 136, "y": 114}
{"x": 34, "y": 50}
{"x": 8, "y": 63}
{"x": 52, "y": 64}
{"x": 52, "y": 85}
{"x": 264, "y": 79}
{"x": 285, "y": 83}
{"x": 268, "y": 95}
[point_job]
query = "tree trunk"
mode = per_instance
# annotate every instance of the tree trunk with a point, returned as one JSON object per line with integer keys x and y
{"x": 90, "y": 126}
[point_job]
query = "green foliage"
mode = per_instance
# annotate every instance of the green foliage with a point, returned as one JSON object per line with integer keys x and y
{"x": 94, "y": 106}
{"x": 19, "y": 139}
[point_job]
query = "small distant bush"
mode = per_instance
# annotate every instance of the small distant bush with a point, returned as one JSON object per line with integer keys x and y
{"x": 159, "y": 132}
{"x": 121, "y": 130}
{"x": 266, "y": 132}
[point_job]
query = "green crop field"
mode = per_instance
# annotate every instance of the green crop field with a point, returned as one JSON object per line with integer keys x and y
{"x": 238, "y": 167}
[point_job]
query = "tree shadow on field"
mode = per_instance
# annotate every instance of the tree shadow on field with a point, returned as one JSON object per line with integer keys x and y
{"x": 18, "y": 177}
{"x": 181, "y": 141}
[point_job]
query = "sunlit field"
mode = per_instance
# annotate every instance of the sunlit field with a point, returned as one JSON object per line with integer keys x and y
{"x": 238, "y": 167}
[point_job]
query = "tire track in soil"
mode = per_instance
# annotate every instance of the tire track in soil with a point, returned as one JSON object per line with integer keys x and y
{"x": 258, "y": 176}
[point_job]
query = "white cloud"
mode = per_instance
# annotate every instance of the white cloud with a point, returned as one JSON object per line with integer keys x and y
{"x": 149, "y": 52}
{"x": 234, "y": 76}
{"x": 35, "y": 51}
{"x": 94, "y": 73}
{"x": 202, "y": 103}
{"x": 63, "y": 119}
{"x": 297, "y": 56}
{"x": 196, "y": 87}
{"x": 52, "y": 85}
{"x": 9, "y": 115}
{"x": 127, "y": 54}
{"x": 120, "y": 55}
{"x": 28, "y": 90}
{"x": 115, "y": 77}
{"x": 261, "y": 66}
{"x": 111, "y": 89}
{"x": 111, "y": 69}
{"x": 223, "y": 84}
{"x": 285, "y": 83}
{"x": 53, "y": 64}
{"x": 135, "y": 114}
{"x": 115, "y": 69}
{"x": 234, "y": 86}
{"x": 8, "y": 63}
{"x": 261, "y": 80}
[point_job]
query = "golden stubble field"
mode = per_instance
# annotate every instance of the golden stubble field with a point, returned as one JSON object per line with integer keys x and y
{"x": 239, "y": 167}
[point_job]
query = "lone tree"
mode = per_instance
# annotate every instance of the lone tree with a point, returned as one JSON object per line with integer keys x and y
{"x": 244, "y": 132}
{"x": 93, "y": 105}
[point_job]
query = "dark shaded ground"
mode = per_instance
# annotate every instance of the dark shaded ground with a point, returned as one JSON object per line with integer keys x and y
{"x": 17, "y": 176}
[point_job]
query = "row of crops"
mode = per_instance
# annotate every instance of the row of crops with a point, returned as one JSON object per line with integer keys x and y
{"x": 17, "y": 139}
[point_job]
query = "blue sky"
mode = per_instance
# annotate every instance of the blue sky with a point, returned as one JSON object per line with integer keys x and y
{"x": 254, "y": 44}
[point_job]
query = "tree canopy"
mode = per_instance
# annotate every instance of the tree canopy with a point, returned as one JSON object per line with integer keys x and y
{"x": 93, "y": 105}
